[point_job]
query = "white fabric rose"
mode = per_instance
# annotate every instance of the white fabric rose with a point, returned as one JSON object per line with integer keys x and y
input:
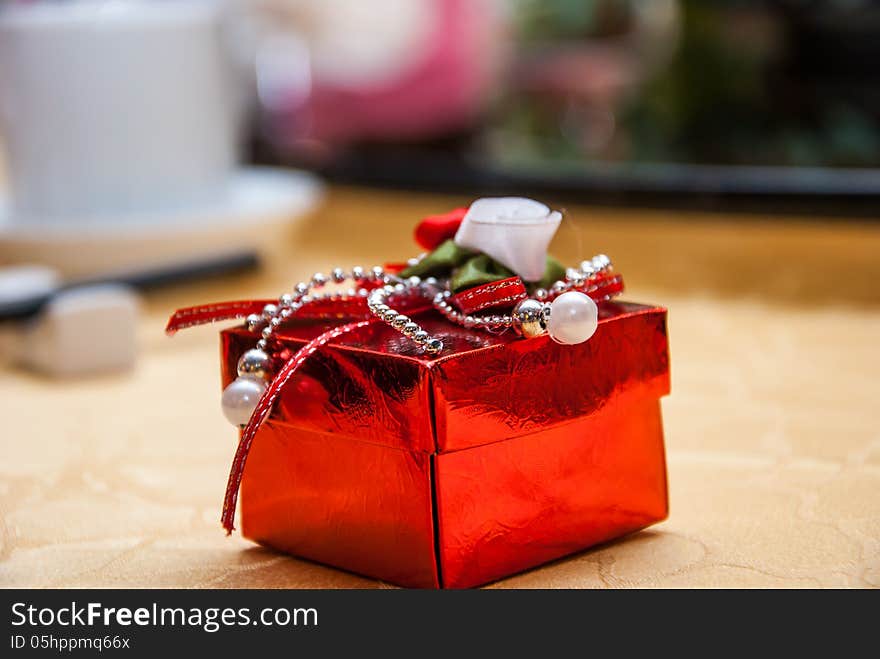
{"x": 513, "y": 231}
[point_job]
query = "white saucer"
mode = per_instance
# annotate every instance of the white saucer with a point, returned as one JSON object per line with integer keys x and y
{"x": 258, "y": 203}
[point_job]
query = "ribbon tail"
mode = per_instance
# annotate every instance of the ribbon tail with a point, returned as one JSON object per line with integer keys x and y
{"x": 211, "y": 313}
{"x": 262, "y": 410}
{"x": 603, "y": 288}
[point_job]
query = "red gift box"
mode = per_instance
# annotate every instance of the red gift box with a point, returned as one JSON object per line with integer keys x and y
{"x": 459, "y": 469}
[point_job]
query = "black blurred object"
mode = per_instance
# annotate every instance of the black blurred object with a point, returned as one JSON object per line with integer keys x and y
{"x": 771, "y": 190}
{"x": 141, "y": 280}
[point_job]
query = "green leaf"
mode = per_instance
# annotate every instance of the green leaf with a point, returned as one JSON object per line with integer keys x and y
{"x": 552, "y": 273}
{"x": 476, "y": 271}
{"x": 440, "y": 262}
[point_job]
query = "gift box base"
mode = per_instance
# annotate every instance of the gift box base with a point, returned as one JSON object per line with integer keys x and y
{"x": 460, "y": 470}
{"x": 513, "y": 505}
{"x": 464, "y": 518}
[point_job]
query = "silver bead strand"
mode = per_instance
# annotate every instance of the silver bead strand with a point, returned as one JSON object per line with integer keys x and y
{"x": 377, "y": 303}
{"x": 576, "y": 278}
{"x": 273, "y": 315}
{"x": 530, "y": 317}
{"x": 304, "y": 293}
{"x": 254, "y": 367}
{"x": 495, "y": 323}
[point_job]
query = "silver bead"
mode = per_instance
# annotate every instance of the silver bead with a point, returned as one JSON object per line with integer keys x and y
{"x": 420, "y": 337}
{"x": 414, "y": 281}
{"x": 389, "y": 315}
{"x": 254, "y": 363}
{"x": 301, "y": 288}
{"x": 434, "y": 346}
{"x": 377, "y": 273}
{"x": 254, "y": 321}
{"x": 267, "y": 332}
{"x": 275, "y": 322}
{"x": 318, "y": 279}
{"x": 587, "y": 267}
{"x": 541, "y": 294}
{"x": 270, "y": 311}
{"x": 357, "y": 272}
{"x": 529, "y": 318}
{"x": 381, "y": 308}
{"x": 410, "y": 329}
{"x": 285, "y": 300}
{"x": 413, "y": 261}
{"x": 601, "y": 262}
{"x": 262, "y": 344}
{"x": 286, "y": 313}
{"x": 338, "y": 275}
{"x": 399, "y": 322}
{"x": 306, "y": 299}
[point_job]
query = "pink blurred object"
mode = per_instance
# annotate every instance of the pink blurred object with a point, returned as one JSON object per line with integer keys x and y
{"x": 439, "y": 84}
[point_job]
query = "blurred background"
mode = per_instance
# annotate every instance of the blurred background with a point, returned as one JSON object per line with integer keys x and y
{"x": 165, "y": 153}
{"x": 728, "y": 103}
{"x": 175, "y": 132}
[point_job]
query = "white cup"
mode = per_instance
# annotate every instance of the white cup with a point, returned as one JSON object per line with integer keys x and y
{"x": 116, "y": 108}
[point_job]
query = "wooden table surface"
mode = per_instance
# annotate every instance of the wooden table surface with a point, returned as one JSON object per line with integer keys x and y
{"x": 771, "y": 429}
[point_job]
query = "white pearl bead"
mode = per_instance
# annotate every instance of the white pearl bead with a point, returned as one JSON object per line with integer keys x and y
{"x": 240, "y": 399}
{"x": 574, "y": 318}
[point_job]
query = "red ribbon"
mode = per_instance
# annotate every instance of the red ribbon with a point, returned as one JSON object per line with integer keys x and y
{"x": 211, "y": 313}
{"x": 324, "y": 308}
{"x": 264, "y": 406}
{"x": 321, "y": 309}
{"x": 502, "y": 293}
{"x": 602, "y": 287}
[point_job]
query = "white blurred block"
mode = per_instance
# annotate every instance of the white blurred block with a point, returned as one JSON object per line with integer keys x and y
{"x": 83, "y": 331}
{"x": 23, "y": 282}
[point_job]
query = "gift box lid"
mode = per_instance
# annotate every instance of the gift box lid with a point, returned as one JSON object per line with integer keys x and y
{"x": 377, "y": 386}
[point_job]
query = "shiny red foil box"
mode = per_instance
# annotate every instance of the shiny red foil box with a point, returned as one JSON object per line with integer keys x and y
{"x": 456, "y": 470}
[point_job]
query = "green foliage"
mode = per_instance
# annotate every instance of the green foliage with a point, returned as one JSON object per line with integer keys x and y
{"x": 440, "y": 262}
{"x": 476, "y": 271}
{"x": 466, "y": 268}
